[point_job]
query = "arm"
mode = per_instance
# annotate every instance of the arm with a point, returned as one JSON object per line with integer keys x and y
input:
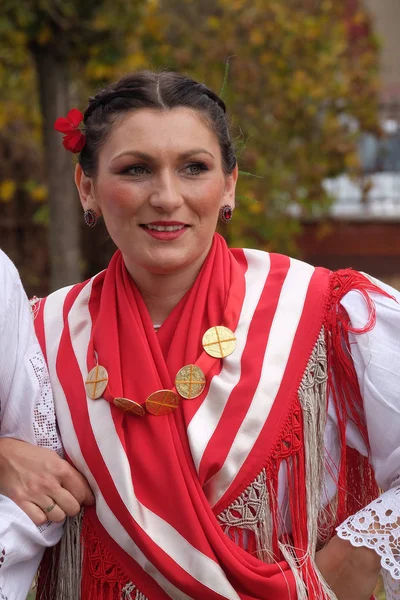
{"x": 374, "y": 532}
{"x": 36, "y": 477}
{"x": 29, "y": 475}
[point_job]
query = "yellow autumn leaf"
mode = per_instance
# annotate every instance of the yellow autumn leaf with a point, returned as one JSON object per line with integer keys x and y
{"x": 352, "y": 161}
{"x": 44, "y": 35}
{"x": 359, "y": 18}
{"x": 136, "y": 60}
{"x": 39, "y": 193}
{"x": 99, "y": 71}
{"x": 7, "y": 190}
{"x": 213, "y": 22}
{"x": 255, "y": 208}
{"x": 266, "y": 58}
{"x": 19, "y": 37}
{"x": 100, "y": 22}
{"x": 257, "y": 38}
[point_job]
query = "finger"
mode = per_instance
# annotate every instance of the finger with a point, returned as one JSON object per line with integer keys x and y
{"x": 35, "y": 513}
{"x": 75, "y": 483}
{"x": 66, "y": 501}
{"x": 51, "y": 509}
{"x": 89, "y": 498}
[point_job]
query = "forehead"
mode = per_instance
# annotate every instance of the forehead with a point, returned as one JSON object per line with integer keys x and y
{"x": 156, "y": 131}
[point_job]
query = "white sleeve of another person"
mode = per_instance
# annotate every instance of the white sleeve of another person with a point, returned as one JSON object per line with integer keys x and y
{"x": 26, "y": 413}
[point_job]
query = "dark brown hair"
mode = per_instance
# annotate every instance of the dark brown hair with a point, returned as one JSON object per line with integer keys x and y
{"x": 160, "y": 91}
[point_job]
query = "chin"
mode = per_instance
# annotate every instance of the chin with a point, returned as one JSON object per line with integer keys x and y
{"x": 164, "y": 265}
{"x": 167, "y": 268}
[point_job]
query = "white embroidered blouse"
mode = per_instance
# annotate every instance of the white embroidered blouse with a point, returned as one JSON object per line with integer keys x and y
{"x": 27, "y": 412}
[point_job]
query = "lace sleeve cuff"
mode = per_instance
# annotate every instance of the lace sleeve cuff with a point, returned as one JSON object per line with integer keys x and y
{"x": 377, "y": 526}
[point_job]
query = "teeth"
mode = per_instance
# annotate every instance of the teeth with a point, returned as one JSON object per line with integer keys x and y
{"x": 165, "y": 227}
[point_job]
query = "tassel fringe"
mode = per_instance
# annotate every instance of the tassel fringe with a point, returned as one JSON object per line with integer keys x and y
{"x": 81, "y": 568}
{"x": 61, "y": 570}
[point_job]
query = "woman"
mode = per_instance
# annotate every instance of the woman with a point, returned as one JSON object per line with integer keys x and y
{"x": 209, "y": 395}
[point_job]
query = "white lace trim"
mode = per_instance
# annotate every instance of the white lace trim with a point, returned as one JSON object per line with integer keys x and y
{"x": 377, "y": 526}
{"x": 44, "y": 424}
{"x": 392, "y": 586}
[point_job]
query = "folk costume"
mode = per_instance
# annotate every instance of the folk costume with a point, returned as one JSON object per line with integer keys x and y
{"x": 230, "y": 494}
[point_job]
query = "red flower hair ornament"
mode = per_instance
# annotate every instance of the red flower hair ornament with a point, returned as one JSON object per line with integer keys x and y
{"x": 73, "y": 140}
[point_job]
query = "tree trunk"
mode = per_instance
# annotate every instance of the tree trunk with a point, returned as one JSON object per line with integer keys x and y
{"x": 64, "y": 250}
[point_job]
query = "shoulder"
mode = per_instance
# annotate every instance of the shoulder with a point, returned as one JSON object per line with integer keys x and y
{"x": 376, "y": 302}
{"x": 286, "y": 267}
{"x": 12, "y": 292}
{"x": 8, "y": 273}
{"x": 57, "y": 305}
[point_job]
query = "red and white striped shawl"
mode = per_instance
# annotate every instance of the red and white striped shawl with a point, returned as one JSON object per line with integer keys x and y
{"x": 160, "y": 481}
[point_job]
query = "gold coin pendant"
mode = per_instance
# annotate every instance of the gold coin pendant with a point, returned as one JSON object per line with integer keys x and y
{"x": 219, "y": 341}
{"x": 162, "y": 402}
{"x": 130, "y": 406}
{"x": 190, "y": 381}
{"x": 96, "y": 382}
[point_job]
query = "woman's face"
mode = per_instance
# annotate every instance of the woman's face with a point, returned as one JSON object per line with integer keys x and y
{"x": 159, "y": 186}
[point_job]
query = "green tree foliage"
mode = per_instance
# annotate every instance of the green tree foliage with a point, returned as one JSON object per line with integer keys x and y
{"x": 302, "y": 84}
{"x": 58, "y": 36}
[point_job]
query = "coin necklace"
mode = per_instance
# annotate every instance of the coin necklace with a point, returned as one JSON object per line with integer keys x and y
{"x": 190, "y": 381}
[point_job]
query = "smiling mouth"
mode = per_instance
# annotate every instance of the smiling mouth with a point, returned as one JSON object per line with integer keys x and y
{"x": 164, "y": 227}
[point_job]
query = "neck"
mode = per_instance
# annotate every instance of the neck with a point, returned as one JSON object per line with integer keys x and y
{"x": 162, "y": 292}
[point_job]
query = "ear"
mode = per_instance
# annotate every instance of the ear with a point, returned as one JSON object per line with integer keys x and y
{"x": 86, "y": 190}
{"x": 230, "y": 188}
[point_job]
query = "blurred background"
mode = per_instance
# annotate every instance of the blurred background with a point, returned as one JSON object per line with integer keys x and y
{"x": 313, "y": 91}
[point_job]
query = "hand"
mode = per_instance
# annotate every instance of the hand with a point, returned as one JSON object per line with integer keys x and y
{"x": 352, "y": 573}
{"x": 35, "y": 478}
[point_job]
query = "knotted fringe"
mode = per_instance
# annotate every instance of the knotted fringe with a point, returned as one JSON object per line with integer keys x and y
{"x": 333, "y": 375}
{"x": 329, "y": 370}
{"x": 312, "y": 396}
{"x": 61, "y": 569}
{"x": 248, "y": 520}
{"x": 130, "y": 592}
{"x": 344, "y": 388}
{"x": 256, "y": 511}
{"x": 81, "y": 568}
{"x": 313, "y": 400}
{"x": 100, "y": 590}
{"x": 102, "y": 577}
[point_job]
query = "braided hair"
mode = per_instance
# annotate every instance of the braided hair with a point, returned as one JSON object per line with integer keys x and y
{"x": 149, "y": 90}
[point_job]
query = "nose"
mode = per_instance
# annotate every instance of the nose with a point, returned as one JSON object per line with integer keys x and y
{"x": 165, "y": 194}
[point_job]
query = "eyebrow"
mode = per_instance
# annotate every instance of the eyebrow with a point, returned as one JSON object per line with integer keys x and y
{"x": 145, "y": 156}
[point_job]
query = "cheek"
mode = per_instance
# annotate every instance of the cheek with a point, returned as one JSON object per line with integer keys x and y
{"x": 208, "y": 198}
{"x": 117, "y": 199}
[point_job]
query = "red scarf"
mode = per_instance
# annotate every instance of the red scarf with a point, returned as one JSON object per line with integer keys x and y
{"x": 158, "y": 489}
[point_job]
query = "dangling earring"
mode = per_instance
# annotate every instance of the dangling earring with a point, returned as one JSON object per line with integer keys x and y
{"x": 90, "y": 217}
{"x": 226, "y": 213}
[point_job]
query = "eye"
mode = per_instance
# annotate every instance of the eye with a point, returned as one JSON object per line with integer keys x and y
{"x": 137, "y": 170}
{"x": 195, "y": 168}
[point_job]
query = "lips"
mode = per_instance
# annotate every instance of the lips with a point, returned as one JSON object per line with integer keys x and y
{"x": 164, "y": 227}
{"x": 165, "y": 230}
